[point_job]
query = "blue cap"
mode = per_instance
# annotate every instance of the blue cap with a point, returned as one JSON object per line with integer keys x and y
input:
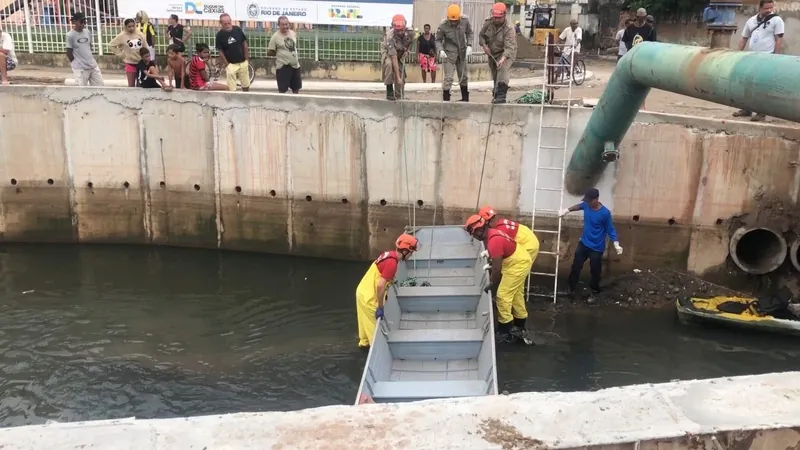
{"x": 591, "y": 194}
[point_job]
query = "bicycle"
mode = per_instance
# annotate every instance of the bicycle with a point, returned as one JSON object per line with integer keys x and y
{"x": 215, "y": 70}
{"x": 578, "y": 74}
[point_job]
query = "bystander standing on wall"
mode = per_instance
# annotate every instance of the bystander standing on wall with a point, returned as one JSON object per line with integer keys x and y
{"x": 232, "y": 45}
{"x": 127, "y": 45}
{"x": 499, "y": 40}
{"x": 426, "y": 53}
{"x": 8, "y": 58}
{"x": 622, "y": 48}
{"x": 178, "y": 34}
{"x": 79, "y": 53}
{"x": 148, "y": 31}
{"x": 762, "y": 33}
{"x": 283, "y": 46}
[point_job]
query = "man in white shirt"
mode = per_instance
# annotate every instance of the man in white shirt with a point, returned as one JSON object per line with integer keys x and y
{"x": 622, "y": 47}
{"x": 8, "y": 58}
{"x": 571, "y": 35}
{"x": 762, "y": 33}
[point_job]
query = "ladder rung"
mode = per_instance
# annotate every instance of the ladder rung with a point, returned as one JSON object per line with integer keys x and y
{"x": 544, "y": 274}
{"x": 542, "y": 252}
{"x": 555, "y": 126}
{"x": 546, "y": 231}
{"x": 551, "y": 147}
{"x": 550, "y": 189}
{"x": 551, "y": 168}
{"x": 543, "y": 210}
{"x": 533, "y": 294}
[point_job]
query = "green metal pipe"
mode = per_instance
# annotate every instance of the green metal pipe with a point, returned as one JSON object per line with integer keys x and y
{"x": 761, "y": 82}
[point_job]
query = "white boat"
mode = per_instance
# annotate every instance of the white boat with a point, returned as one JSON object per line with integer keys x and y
{"x": 435, "y": 341}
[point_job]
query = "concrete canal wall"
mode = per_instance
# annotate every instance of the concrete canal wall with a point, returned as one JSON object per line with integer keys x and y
{"x": 759, "y": 412}
{"x": 326, "y": 176}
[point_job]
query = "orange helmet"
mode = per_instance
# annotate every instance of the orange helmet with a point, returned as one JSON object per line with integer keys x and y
{"x": 499, "y": 10}
{"x": 487, "y": 213}
{"x": 453, "y": 12}
{"x": 406, "y": 242}
{"x": 399, "y": 22}
{"x": 474, "y": 221}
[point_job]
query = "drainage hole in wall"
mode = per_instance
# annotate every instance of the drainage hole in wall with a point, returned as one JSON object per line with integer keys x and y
{"x": 238, "y": 189}
{"x": 384, "y": 229}
{"x": 420, "y": 203}
{"x": 312, "y": 224}
{"x": 126, "y": 184}
{"x": 671, "y": 221}
{"x": 636, "y": 218}
{"x": 273, "y": 193}
{"x": 383, "y": 202}
{"x": 308, "y": 198}
{"x": 162, "y": 184}
{"x": 345, "y": 201}
{"x": 196, "y": 187}
{"x": 90, "y": 185}
{"x": 719, "y": 221}
{"x": 50, "y": 181}
{"x": 13, "y": 181}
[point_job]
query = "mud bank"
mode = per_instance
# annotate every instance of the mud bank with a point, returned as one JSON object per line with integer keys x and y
{"x": 715, "y": 413}
{"x": 341, "y": 177}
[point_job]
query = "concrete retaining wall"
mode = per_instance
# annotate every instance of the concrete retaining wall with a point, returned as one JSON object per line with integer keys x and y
{"x": 744, "y": 413}
{"x": 326, "y": 176}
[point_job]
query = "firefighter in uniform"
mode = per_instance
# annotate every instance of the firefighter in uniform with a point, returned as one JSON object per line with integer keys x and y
{"x": 499, "y": 40}
{"x": 510, "y": 266}
{"x": 453, "y": 38}
{"x": 395, "y": 46}
{"x": 371, "y": 291}
{"x": 521, "y": 234}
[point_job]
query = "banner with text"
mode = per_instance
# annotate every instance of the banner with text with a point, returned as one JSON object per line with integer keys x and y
{"x": 360, "y": 13}
{"x": 162, "y": 9}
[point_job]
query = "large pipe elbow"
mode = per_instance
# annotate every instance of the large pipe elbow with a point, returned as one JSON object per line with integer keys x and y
{"x": 762, "y": 82}
{"x": 794, "y": 253}
{"x": 757, "y": 250}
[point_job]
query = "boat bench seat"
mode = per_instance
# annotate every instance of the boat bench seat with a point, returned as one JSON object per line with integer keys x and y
{"x": 439, "y": 291}
{"x": 420, "y": 390}
{"x": 433, "y": 335}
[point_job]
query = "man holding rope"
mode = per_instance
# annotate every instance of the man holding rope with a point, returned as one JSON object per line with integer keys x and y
{"x": 394, "y": 48}
{"x": 499, "y": 40}
{"x": 452, "y": 41}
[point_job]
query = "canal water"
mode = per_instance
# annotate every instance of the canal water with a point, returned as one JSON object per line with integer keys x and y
{"x": 97, "y": 332}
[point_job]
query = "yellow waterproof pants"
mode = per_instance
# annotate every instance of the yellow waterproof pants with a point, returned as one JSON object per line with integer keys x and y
{"x": 366, "y": 304}
{"x": 528, "y": 241}
{"x": 510, "y": 293}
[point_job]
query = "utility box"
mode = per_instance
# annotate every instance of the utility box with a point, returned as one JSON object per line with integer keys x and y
{"x": 720, "y": 20}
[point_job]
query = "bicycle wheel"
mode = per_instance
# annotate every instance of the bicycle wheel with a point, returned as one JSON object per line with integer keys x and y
{"x": 251, "y": 72}
{"x": 579, "y": 72}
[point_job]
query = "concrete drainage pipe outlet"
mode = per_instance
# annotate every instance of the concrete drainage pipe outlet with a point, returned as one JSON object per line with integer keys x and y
{"x": 757, "y": 251}
{"x": 794, "y": 253}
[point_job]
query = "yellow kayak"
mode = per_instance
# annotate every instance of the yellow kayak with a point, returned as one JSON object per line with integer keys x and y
{"x": 736, "y": 312}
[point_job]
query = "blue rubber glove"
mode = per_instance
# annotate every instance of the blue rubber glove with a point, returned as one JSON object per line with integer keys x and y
{"x": 379, "y": 313}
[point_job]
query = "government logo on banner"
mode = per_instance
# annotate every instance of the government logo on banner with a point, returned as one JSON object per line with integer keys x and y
{"x": 273, "y": 11}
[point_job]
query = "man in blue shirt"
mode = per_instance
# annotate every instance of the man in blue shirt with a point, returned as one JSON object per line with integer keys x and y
{"x": 597, "y": 224}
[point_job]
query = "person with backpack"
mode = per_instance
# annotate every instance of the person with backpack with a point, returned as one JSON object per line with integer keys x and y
{"x": 761, "y": 33}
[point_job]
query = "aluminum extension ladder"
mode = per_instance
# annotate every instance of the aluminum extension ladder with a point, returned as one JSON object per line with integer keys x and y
{"x": 554, "y": 164}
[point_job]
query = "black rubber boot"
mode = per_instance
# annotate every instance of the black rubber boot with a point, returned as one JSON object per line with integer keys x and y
{"x": 520, "y": 323}
{"x": 398, "y": 92}
{"x": 464, "y": 94}
{"x": 503, "y": 332}
{"x": 500, "y": 94}
{"x": 446, "y": 95}
{"x": 389, "y": 92}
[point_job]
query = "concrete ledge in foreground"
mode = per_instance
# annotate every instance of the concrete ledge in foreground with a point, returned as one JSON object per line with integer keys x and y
{"x": 751, "y": 412}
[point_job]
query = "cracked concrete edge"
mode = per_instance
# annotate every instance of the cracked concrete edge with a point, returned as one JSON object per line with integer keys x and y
{"x": 348, "y": 86}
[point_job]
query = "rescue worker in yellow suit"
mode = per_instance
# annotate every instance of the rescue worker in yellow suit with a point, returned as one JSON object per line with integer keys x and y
{"x": 371, "y": 291}
{"x": 521, "y": 234}
{"x": 509, "y": 268}
{"x": 453, "y": 42}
